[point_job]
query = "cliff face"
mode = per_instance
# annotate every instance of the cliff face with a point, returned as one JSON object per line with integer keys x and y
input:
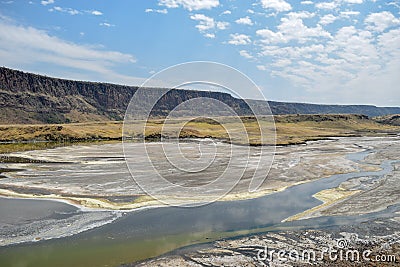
{"x": 26, "y": 97}
{"x": 31, "y": 98}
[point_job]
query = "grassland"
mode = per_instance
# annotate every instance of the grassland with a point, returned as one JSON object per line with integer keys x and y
{"x": 290, "y": 129}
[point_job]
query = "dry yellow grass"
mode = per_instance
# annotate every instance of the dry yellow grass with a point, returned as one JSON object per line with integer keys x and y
{"x": 290, "y": 129}
{"x": 59, "y": 132}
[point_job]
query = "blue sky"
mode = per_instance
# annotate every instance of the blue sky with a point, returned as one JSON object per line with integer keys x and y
{"x": 333, "y": 51}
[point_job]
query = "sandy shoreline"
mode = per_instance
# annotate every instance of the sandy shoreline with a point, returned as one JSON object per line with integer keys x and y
{"x": 292, "y": 166}
{"x": 84, "y": 204}
{"x": 96, "y": 204}
{"x": 324, "y": 167}
{"x": 328, "y": 197}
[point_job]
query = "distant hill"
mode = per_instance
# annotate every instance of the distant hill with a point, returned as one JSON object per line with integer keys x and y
{"x": 304, "y": 108}
{"x": 31, "y": 98}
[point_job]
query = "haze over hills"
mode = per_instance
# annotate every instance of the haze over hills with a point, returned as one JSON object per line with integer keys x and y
{"x": 31, "y": 98}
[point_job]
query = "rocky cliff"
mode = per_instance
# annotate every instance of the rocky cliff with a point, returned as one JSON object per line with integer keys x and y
{"x": 31, "y": 98}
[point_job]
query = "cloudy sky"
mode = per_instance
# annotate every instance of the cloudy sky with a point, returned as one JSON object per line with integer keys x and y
{"x": 334, "y": 51}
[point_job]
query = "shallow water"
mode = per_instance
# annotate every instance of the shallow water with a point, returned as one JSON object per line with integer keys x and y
{"x": 20, "y": 211}
{"x": 142, "y": 234}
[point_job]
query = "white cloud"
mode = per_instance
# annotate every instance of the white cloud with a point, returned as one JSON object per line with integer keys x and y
{"x": 354, "y": 45}
{"x": 393, "y": 3}
{"x": 376, "y": 65}
{"x": 244, "y": 21}
{"x": 389, "y": 43}
{"x": 245, "y": 54}
{"x": 327, "y": 19}
{"x": 72, "y": 11}
{"x": 106, "y": 24}
{"x": 45, "y": 3}
{"x": 25, "y": 46}
{"x": 350, "y": 65}
{"x": 299, "y": 48}
{"x": 68, "y": 10}
{"x": 293, "y": 52}
{"x": 161, "y": 11}
{"x": 349, "y": 13}
{"x": 96, "y": 13}
{"x": 189, "y": 4}
{"x": 327, "y": 5}
{"x": 239, "y": 39}
{"x": 300, "y": 15}
{"x": 222, "y": 25}
{"x": 353, "y": 1}
{"x": 206, "y": 23}
{"x": 292, "y": 28}
{"x": 278, "y": 5}
{"x": 209, "y": 35}
{"x": 269, "y": 36}
{"x": 280, "y": 63}
{"x": 381, "y": 21}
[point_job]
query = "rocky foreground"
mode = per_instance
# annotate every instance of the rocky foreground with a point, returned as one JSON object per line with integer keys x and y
{"x": 373, "y": 243}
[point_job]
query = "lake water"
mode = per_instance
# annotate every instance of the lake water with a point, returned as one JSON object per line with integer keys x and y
{"x": 147, "y": 233}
